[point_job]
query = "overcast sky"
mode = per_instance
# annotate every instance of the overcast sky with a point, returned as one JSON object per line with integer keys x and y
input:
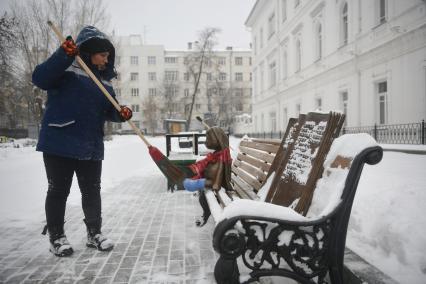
{"x": 176, "y": 22}
{"x": 173, "y": 23}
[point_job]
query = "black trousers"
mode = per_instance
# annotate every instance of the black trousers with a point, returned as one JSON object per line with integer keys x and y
{"x": 60, "y": 171}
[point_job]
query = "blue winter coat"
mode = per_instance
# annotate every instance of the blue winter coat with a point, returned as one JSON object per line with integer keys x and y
{"x": 76, "y": 109}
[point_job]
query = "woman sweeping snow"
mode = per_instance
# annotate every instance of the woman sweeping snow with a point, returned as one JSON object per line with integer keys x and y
{"x": 71, "y": 135}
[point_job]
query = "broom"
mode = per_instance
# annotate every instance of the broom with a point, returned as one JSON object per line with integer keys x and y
{"x": 170, "y": 171}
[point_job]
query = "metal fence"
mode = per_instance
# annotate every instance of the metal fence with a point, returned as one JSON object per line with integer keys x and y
{"x": 408, "y": 133}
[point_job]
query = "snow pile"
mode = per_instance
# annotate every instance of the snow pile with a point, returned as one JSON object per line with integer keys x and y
{"x": 329, "y": 188}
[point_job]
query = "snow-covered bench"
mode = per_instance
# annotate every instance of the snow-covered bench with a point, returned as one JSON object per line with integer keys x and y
{"x": 273, "y": 240}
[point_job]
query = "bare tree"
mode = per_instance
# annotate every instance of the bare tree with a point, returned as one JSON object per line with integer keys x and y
{"x": 168, "y": 92}
{"x": 35, "y": 41}
{"x": 151, "y": 115}
{"x": 198, "y": 59}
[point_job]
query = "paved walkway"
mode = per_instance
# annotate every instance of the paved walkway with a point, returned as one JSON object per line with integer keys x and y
{"x": 156, "y": 242}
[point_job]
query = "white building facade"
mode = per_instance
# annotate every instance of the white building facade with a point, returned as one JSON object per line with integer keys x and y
{"x": 366, "y": 58}
{"x": 146, "y": 70}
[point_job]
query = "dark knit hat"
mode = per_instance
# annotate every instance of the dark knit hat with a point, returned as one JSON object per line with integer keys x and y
{"x": 96, "y": 45}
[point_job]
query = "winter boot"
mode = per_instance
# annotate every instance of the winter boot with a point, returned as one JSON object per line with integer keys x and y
{"x": 59, "y": 244}
{"x": 95, "y": 239}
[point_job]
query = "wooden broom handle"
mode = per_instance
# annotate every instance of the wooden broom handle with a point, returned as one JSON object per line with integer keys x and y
{"x": 99, "y": 84}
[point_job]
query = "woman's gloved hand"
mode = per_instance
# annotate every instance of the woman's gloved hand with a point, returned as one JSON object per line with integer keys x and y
{"x": 126, "y": 113}
{"x": 194, "y": 184}
{"x": 70, "y": 47}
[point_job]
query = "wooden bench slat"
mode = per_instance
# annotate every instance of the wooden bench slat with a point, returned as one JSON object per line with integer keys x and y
{"x": 260, "y": 175}
{"x": 270, "y": 148}
{"x": 257, "y": 154}
{"x": 268, "y": 141}
{"x": 248, "y": 178}
{"x": 244, "y": 189}
{"x": 255, "y": 162}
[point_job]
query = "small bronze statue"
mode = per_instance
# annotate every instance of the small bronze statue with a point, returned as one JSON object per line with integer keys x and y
{"x": 213, "y": 172}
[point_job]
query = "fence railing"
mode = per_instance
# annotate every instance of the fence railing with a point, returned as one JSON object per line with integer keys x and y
{"x": 408, "y": 133}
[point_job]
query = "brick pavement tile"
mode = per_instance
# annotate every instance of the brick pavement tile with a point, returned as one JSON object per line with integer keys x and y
{"x": 177, "y": 245}
{"x": 109, "y": 269}
{"x": 137, "y": 241}
{"x": 115, "y": 257}
{"x": 17, "y": 278}
{"x": 160, "y": 260}
{"x": 162, "y": 250}
{"x": 133, "y": 251}
{"x": 40, "y": 273}
{"x": 128, "y": 262}
{"x": 149, "y": 245}
{"x": 96, "y": 263}
{"x": 193, "y": 272}
{"x": 142, "y": 267}
{"x": 122, "y": 275}
{"x": 102, "y": 280}
{"x": 175, "y": 267}
{"x": 192, "y": 260}
{"x": 177, "y": 255}
{"x": 6, "y": 273}
{"x": 138, "y": 279}
{"x": 146, "y": 255}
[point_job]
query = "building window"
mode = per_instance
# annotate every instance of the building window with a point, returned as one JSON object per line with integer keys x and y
{"x": 118, "y": 92}
{"x": 238, "y": 61}
{"x": 262, "y": 122}
{"x": 238, "y": 76}
{"x": 318, "y": 103}
{"x": 262, "y": 79}
{"x": 152, "y": 60}
{"x": 171, "y": 75}
{"x": 344, "y": 105}
{"x": 152, "y": 92}
{"x": 298, "y": 109}
{"x": 171, "y": 92}
{"x": 261, "y": 38}
{"x": 382, "y": 92}
{"x": 135, "y": 92}
{"x": 152, "y": 76}
{"x": 134, "y": 60}
{"x": 272, "y": 74}
{"x": 345, "y": 25}
{"x": 209, "y": 76}
{"x": 221, "y": 92}
{"x": 170, "y": 60}
{"x": 382, "y": 9}
{"x": 251, "y": 77}
{"x": 135, "y": 108}
{"x": 255, "y": 45}
{"x": 197, "y": 106}
{"x": 222, "y": 76}
{"x": 221, "y": 60}
{"x": 134, "y": 76}
{"x": 319, "y": 41}
{"x": 186, "y": 76}
{"x": 285, "y": 63}
{"x": 186, "y": 92}
{"x": 238, "y": 92}
{"x": 298, "y": 55}
{"x": 238, "y": 106}
{"x": 273, "y": 118}
{"x": 271, "y": 25}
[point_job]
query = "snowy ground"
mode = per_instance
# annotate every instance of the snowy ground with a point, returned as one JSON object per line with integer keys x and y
{"x": 388, "y": 221}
